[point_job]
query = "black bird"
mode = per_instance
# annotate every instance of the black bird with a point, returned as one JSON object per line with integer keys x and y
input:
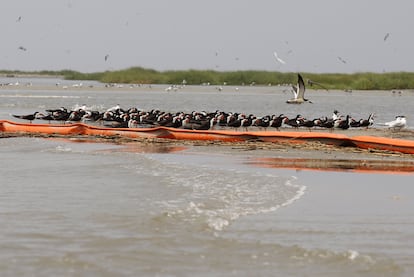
{"x": 294, "y": 122}
{"x": 342, "y": 123}
{"x": 49, "y": 117}
{"x": 277, "y": 122}
{"x": 262, "y": 122}
{"x": 367, "y": 122}
{"x": 60, "y": 114}
{"x": 236, "y": 122}
{"x": 29, "y": 117}
{"x": 303, "y": 122}
{"x": 247, "y": 122}
{"x": 324, "y": 122}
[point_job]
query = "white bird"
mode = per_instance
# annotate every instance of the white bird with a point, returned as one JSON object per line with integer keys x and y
{"x": 298, "y": 93}
{"x": 399, "y": 123}
{"x": 278, "y": 59}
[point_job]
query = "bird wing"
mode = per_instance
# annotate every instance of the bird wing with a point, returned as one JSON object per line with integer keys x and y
{"x": 278, "y": 59}
{"x": 301, "y": 87}
{"x": 390, "y": 123}
{"x": 295, "y": 91}
{"x": 310, "y": 82}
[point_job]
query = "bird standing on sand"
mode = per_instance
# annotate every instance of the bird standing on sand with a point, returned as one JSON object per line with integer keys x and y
{"x": 298, "y": 93}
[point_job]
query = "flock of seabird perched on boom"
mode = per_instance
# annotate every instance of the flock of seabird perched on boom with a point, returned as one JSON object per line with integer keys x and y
{"x": 117, "y": 117}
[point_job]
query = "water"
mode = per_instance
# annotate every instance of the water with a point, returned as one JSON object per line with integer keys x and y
{"x": 97, "y": 209}
{"x": 259, "y": 101}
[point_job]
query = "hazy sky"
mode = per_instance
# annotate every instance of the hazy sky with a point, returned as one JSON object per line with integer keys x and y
{"x": 309, "y": 35}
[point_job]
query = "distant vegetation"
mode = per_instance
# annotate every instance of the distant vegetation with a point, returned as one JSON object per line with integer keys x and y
{"x": 138, "y": 75}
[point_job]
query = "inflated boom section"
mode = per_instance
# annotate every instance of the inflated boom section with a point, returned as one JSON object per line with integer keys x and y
{"x": 365, "y": 142}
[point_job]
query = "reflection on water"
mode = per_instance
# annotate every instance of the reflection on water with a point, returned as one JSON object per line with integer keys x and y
{"x": 355, "y": 165}
{"x": 133, "y": 147}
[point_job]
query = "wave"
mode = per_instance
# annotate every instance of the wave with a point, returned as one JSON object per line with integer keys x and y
{"x": 214, "y": 196}
{"x": 342, "y": 263}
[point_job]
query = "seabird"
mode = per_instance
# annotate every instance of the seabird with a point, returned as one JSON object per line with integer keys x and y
{"x": 298, "y": 93}
{"x": 363, "y": 122}
{"x": 386, "y": 36}
{"x": 335, "y": 115}
{"x": 399, "y": 123}
{"x": 277, "y": 122}
{"x": 106, "y": 57}
{"x": 342, "y": 60}
{"x": 342, "y": 123}
{"x": 22, "y": 48}
{"x": 29, "y": 117}
{"x": 293, "y": 122}
{"x": 278, "y": 59}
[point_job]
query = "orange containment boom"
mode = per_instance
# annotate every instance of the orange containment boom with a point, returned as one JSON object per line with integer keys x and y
{"x": 365, "y": 142}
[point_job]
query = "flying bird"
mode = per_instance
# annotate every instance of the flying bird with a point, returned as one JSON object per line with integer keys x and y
{"x": 342, "y": 60}
{"x": 106, "y": 57}
{"x": 278, "y": 59}
{"x": 386, "y": 36}
{"x": 298, "y": 93}
{"x": 19, "y": 19}
{"x": 22, "y": 48}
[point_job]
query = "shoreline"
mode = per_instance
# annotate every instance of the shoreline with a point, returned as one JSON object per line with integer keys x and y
{"x": 138, "y": 75}
{"x": 92, "y": 84}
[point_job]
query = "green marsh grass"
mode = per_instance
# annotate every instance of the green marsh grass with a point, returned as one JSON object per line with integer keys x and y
{"x": 139, "y": 75}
